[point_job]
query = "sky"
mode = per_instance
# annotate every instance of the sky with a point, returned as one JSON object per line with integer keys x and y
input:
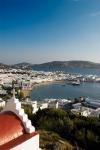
{"x": 38, "y": 31}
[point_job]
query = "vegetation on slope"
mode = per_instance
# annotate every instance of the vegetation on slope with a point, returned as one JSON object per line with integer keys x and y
{"x": 78, "y": 130}
{"x": 52, "y": 141}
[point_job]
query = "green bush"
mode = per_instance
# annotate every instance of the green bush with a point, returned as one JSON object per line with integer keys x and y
{"x": 75, "y": 128}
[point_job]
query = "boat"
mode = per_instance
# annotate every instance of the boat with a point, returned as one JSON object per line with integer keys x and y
{"x": 76, "y": 82}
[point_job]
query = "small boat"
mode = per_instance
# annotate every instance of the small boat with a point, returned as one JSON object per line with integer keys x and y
{"x": 76, "y": 82}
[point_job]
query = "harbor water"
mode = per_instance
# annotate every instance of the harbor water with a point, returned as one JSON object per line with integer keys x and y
{"x": 68, "y": 91}
{"x": 62, "y": 90}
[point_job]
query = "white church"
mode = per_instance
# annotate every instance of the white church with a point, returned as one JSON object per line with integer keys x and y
{"x": 16, "y": 130}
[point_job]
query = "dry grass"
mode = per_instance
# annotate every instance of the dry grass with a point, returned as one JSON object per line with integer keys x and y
{"x": 52, "y": 141}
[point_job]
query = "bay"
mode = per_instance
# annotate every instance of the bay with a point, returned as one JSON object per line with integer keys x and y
{"x": 61, "y": 90}
{"x": 58, "y": 90}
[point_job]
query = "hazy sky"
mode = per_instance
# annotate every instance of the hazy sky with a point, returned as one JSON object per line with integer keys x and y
{"x": 37, "y": 31}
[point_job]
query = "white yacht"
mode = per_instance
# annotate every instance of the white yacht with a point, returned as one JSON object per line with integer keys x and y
{"x": 76, "y": 82}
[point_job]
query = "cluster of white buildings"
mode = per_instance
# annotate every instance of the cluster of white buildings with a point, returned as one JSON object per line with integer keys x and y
{"x": 77, "y": 108}
{"x": 85, "y": 111}
{"x": 43, "y": 105}
{"x": 27, "y": 78}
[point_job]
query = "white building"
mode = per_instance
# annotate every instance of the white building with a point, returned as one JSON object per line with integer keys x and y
{"x": 34, "y": 106}
{"x": 2, "y": 103}
{"x": 84, "y": 112}
{"x": 44, "y": 106}
{"x": 76, "y": 105}
{"x": 53, "y": 104}
{"x": 95, "y": 112}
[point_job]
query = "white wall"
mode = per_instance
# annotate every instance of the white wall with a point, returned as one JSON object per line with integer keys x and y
{"x": 31, "y": 144}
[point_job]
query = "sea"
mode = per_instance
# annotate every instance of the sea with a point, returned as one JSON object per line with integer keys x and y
{"x": 76, "y": 70}
{"x": 62, "y": 90}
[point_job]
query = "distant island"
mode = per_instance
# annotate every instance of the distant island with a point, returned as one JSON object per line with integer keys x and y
{"x": 54, "y": 65}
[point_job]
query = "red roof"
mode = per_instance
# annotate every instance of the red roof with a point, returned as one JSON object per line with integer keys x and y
{"x": 12, "y": 132}
{"x": 11, "y": 127}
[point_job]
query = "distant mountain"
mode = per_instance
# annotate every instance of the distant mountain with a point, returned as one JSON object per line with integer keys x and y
{"x": 23, "y": 65}
{"x": 54, "y": 65}
{"x": 60, "y": 65}
{"x": 4, "y": 66}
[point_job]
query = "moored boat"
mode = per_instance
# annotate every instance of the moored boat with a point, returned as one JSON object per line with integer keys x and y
{"x": 76, "y": 82}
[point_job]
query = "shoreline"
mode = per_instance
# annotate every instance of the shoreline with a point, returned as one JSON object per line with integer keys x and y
{"x": 27, "y": 92}
{"x": 62, "y": 82}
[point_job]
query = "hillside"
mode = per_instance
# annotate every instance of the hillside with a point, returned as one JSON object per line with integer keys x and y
{"x": 79, "y": 131}
{"x": 60, "y": 65}
{"x": 23, "y": 65}
{"x": 4, "y": 66}
{"x": 54, "y": 65}
{"x": 52, "y": 141}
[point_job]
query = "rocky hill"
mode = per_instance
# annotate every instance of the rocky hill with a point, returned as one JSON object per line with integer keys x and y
{"x": 59, "y": 65}
{"x": 23, "y": 65}
{"x": 4, "y": 66}
{"x": 54, "y": 65}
